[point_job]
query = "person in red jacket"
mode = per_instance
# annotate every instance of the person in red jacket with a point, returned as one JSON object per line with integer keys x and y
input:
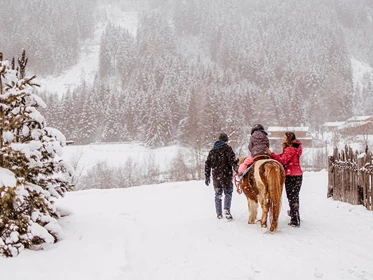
{"x": 290, "y": 159}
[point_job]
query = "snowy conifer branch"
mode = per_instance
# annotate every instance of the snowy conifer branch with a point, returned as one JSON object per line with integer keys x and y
{"x": 29, "y": 158}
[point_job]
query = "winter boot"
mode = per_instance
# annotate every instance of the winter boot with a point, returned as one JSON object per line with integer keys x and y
{"x": 228, "y": 214}
{"x": 294, "y": 221}
{"x": 219, "y": 216}
{"x": 294, "y": 224}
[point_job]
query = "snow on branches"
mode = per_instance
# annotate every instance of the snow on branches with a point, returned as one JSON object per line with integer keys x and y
{"x": 32, "y": 172}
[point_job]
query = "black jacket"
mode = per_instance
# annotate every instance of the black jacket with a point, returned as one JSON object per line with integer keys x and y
{"x": 222, "y": 161}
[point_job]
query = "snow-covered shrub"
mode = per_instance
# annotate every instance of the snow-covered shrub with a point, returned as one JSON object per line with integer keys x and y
{"x": 103, "y": 176}
{"x": 31, "y": 170}
{"x": 180, "y": 170}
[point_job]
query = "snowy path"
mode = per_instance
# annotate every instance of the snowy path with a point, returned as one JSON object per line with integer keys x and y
{"x": 169, "y": 231}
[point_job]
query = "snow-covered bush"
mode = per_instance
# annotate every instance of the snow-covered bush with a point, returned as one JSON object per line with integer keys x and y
{"x": 32, "y": 174}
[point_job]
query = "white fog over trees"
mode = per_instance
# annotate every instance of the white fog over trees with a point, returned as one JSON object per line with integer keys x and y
{"x": 195, "y": 68}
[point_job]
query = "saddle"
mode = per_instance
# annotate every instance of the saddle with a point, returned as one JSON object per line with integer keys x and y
{"x": 255, "y": 159}
{"x": 250, "y": 174}
{"x": 259, "y": 157}
{"x": 252, "y": 188}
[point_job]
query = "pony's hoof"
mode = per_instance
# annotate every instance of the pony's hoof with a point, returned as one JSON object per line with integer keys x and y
{"x": 251, "y": 221}
{"x": 273, "y": 228}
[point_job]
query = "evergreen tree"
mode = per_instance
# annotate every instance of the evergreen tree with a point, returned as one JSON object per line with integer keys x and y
{"x": 29, "y": 156}
{"x": 87, "y": 125}
{"x": 195, "y": 133}
{"x": 157, "y": 121}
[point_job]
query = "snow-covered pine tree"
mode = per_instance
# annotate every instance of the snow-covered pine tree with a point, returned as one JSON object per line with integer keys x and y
{"x": 32, "y": 175}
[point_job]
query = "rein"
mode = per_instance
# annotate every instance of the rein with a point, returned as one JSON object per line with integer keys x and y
{"x": 236, "y": 179}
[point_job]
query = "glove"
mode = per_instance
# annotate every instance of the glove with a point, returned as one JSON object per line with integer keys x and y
{"x": 207, "y": 181}
{"x": 235, "y": 168}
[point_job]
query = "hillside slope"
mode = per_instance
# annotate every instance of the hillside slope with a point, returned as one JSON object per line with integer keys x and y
{"x": 87, "y": 67}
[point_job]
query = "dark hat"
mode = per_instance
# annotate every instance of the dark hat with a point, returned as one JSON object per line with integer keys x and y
{"x": 223, "y": 137}
{"x": 256, "y": 128}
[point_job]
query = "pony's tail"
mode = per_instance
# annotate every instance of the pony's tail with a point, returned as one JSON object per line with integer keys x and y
{"x": 275, "y": 178}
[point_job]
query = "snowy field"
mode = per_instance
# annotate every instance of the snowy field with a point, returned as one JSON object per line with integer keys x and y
{"x": 169, "y": 231}
{"x": 116, "y": 155}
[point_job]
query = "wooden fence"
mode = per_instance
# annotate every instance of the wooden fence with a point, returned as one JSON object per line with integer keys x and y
{"x": 350, "y": 177}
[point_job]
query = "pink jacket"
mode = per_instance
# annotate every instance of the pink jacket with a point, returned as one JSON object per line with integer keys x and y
{"x": 243, "y": 166}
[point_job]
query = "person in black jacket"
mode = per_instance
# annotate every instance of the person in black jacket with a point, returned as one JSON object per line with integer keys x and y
{"x": 222, "y": 161}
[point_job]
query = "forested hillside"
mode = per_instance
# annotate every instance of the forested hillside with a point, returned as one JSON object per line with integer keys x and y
{"x": 50, "y": 30}
{"x": 194, "y": 68}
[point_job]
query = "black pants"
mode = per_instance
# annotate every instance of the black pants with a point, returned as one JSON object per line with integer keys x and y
{"x": 292, "y": 187}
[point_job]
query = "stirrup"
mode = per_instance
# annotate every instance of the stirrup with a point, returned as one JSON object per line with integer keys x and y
{"x": 246, "y": 171}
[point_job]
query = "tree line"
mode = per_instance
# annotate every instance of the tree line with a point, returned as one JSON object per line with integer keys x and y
{"x": 195, "y": 68}
{"x": 51, "y": 31}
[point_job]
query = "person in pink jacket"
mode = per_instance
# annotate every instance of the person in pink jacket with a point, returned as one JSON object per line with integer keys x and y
{"x": 290, "y": 159}
{"x": 258, "y": 144}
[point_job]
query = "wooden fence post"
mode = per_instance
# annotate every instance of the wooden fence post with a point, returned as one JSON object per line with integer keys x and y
{"x": 350, "y": 177}
{"x": 331, "y": 171}
{"x": 361, "y": 184}
{"x": 1, "y": 112}
{"x": 368, "y": 181}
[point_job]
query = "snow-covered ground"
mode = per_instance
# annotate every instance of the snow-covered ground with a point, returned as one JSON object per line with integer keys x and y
{"x": 169, "y": 231}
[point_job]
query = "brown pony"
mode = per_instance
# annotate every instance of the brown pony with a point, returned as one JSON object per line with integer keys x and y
{"x": 264, "y": 182}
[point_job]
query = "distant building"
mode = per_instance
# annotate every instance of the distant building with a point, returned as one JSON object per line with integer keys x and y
{"x": 329, "y": 130}
{"x": 358, "y": 125}
{"x": 276, "y": 135}
{"x": 331, "y": 126}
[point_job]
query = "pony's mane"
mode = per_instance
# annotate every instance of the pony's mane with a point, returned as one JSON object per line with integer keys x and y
{"x": 241, "y": 160}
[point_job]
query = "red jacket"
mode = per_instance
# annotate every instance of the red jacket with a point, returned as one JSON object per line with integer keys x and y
{"x": 289, "y": 158}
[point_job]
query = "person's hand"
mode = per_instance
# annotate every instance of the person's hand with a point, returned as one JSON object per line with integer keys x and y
{"x": 268, "y": 151}
{"x": 235, "y": 168}
{"x": 207, "y": 181}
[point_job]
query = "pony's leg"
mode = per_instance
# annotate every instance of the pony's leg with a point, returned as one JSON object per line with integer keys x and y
{"x": 273, "y": 226}
{"x": 253, "y": 210}
{"x": 265, "y": 207}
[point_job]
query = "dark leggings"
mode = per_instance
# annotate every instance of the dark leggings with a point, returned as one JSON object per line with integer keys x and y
{"x": 292, "y": 187}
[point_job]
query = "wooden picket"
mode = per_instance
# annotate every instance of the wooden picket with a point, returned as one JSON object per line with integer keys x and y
{"x": 350, "y": 177}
